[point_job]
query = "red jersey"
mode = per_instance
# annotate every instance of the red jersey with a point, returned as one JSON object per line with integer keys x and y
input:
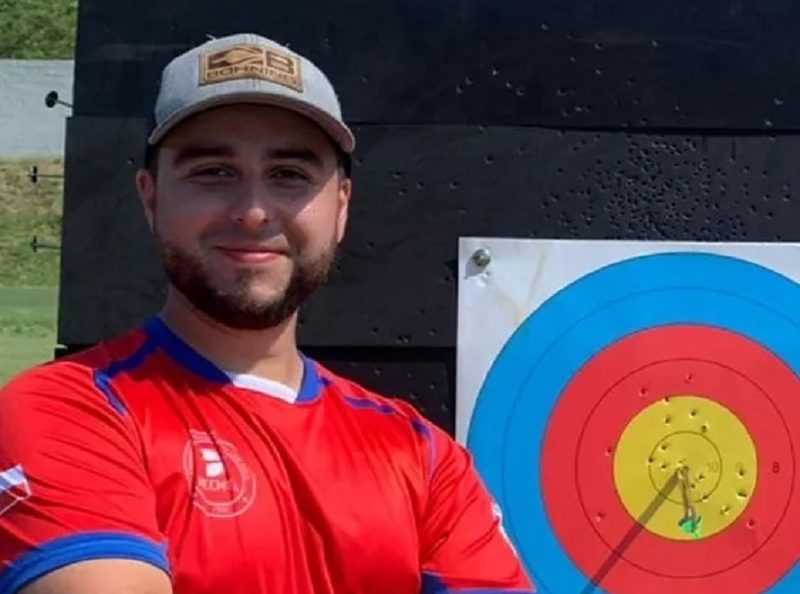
{"x": 140, "y": 448}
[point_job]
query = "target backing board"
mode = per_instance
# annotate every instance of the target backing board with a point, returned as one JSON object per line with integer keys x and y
{"x": 634, "y": 408}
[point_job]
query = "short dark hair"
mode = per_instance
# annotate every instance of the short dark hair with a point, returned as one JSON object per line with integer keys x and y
{"x": 343, "y": 160}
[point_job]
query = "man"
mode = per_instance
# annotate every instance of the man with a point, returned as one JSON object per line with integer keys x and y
{"x": 202, "y": 453}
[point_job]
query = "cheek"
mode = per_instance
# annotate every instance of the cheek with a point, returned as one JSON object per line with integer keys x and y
{"x": 313, "y": 229}
{"x": 182, "y": 216}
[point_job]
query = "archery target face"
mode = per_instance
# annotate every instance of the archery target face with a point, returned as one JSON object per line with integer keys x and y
{"x": 634, "y": 409}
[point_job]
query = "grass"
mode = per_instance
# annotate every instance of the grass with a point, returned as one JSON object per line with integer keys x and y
{"x": 28, "y": 210}
{"x": 28, "y": 279}
{"x": 38, "y": 29}
{"x": 27, "y": 328}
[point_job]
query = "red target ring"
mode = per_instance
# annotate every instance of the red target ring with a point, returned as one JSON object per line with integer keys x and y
{"x": 579, "y": 493}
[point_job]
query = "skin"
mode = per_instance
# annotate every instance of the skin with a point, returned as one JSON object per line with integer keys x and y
{"x": 246, "y": 211}
{"x": 248, "y": 195}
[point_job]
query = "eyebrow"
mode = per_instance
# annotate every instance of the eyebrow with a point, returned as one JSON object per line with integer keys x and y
{"x": 296, "y": 154}
{"x": 192, "y": 152}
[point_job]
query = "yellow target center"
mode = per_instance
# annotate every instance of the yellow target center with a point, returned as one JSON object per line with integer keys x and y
{"x": 685, "y": 467}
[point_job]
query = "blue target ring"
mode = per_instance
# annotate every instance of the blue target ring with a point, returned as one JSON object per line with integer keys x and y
{"x": 547, "y": 350}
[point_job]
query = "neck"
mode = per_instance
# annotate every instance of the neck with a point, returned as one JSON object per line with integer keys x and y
{"x": 271, "y": 353}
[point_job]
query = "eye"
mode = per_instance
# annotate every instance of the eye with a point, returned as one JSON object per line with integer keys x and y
{"x": 289, "y": 175}
{"x": 212, "y": 173}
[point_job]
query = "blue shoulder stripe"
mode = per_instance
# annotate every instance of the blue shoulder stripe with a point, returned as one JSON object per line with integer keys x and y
{"x": 102, "y": 377}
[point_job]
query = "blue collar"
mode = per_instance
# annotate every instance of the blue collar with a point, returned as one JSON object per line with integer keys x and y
{"x": 185, "y": 356}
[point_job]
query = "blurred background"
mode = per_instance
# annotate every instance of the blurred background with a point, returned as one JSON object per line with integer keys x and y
{"x": 37, "y": 46}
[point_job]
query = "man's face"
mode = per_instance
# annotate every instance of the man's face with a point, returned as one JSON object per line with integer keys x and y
{"x": 248, "y": 206}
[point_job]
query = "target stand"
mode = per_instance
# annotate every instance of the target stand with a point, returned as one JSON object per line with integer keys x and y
{"x": 639, "y": 425}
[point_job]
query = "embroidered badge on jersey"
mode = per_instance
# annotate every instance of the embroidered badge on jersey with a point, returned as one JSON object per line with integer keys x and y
{"x": 220, "y": 482}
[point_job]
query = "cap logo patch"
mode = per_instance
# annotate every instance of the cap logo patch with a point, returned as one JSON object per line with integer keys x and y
{"x": 251, "y": 61}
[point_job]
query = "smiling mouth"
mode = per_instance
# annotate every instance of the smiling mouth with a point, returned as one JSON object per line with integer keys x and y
{"x": 252, "y": 255}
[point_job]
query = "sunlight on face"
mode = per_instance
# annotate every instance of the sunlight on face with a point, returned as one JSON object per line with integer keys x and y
{"x": 248, "y": 207}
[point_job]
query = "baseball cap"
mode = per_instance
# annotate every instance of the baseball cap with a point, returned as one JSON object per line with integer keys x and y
{"x": 247, "y": 68}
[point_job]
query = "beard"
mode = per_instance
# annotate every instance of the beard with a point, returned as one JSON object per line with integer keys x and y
{"x": 234, "y": 306}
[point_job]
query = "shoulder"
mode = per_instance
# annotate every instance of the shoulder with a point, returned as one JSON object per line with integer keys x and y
{"x": 76, "y": 377}
{"x": 359, "y": 397}
{"x": 391, "y": 418}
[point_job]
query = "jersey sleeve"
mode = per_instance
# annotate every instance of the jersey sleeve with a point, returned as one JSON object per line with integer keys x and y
{"x": 464, "y": 546}
{"x": 73, "y": 484}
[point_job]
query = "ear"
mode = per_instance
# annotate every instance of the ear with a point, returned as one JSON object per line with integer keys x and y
{"x": 146, "y": 186}
{"x": 343, "y": 199}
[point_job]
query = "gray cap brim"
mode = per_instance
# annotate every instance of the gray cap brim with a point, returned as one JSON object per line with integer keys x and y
{"x": 341, "y": 134}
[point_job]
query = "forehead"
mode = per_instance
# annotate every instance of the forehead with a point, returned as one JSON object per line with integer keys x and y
{"x": 243, "y": 125}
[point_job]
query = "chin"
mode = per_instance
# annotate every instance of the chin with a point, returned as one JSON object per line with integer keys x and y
{"x": 263, "y": 295}
{"x": 253, "y": 280}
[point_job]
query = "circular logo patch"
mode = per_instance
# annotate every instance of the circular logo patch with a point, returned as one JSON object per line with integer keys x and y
{"x": 220, "y": 482}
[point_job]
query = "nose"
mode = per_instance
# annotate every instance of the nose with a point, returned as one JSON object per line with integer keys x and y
{"x": 253, "y": 208}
